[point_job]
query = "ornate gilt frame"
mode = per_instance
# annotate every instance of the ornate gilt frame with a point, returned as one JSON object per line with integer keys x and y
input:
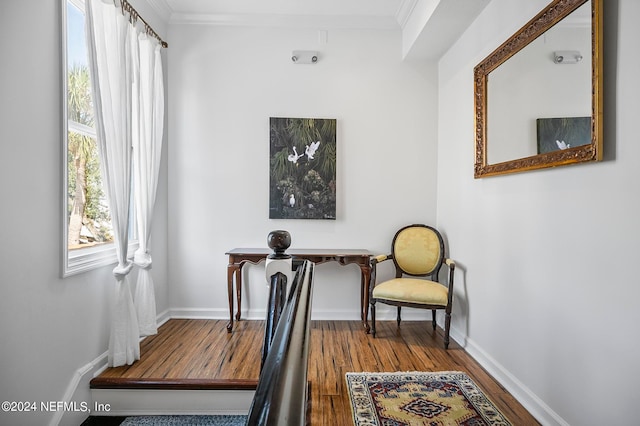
{"x": 547, "y": 18}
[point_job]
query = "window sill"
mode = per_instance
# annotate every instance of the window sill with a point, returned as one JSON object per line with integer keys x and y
{"x": 87, "y": 259}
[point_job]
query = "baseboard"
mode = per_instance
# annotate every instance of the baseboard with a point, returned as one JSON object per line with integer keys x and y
{"x": 529, "y": 400}
{"x": 198, "y": 313}
{"x": 80, "y": 394}
{"x": 384, "y": 313}
{"x": 81, "y": 376}
{"x": 163, "y": 317}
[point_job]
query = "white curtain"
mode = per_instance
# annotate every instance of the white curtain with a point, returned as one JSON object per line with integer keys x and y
{"x": 146, "y": 160}
{"x": 122, "y": 104}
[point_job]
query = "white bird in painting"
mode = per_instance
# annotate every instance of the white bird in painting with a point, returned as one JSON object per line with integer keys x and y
{"x": 562, "y": 144}
{"x": 292, "y": 200}
{"x": 294, "y": 157}
{"x": 310, "y": 150}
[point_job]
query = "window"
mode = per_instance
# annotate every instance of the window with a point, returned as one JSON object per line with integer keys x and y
{"x": 87, "y": 236}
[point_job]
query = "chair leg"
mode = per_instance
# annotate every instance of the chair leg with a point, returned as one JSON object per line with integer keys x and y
{"x": 447, "y": 325}
{"x": 398, "y": 316}
{"x": 433, "y": 320}
{"x": 373, "y": 319}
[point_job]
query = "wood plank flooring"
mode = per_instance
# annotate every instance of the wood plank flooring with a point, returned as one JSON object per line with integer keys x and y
{"x": 200, "y": 354}
{"x": 192, "y": 354}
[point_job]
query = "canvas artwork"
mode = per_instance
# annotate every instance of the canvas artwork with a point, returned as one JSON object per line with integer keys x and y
{"x": 302, "y": 168}
{"x": 562, "y": 133}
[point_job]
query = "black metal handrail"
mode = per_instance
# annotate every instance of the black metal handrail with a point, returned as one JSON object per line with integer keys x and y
{"x": 281, "y": 395}
{"x": 275, "y": 306}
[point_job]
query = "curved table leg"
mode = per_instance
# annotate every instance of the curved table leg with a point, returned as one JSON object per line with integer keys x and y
{"x": 239, "y": 289}
{"x": 364, "y": 295}
{"x": 231, "y": 268}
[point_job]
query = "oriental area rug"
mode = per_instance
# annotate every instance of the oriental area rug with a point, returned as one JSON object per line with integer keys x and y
{"x": 420, "y": 398}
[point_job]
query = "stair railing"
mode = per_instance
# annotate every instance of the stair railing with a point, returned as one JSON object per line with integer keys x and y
{"x": 281, "y": 395}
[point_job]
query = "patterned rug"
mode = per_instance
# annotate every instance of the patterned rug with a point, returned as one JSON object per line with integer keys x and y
{"x": 419, "y": 398}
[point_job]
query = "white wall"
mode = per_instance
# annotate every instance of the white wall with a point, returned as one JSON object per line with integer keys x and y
{"x": 224, "y": 84}
{"x": 50, "y": 328}
{"x": 569, "y": 232}
{"x": 548, "y": 295}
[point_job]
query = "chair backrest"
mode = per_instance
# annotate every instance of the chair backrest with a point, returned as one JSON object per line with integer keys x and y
{"x": 418, "y": 250}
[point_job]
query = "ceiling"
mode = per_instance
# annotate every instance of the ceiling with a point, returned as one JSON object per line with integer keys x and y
{"x": 441, "y": 21}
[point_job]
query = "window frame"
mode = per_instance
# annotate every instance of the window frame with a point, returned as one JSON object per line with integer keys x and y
{"x": 89, "y": 258}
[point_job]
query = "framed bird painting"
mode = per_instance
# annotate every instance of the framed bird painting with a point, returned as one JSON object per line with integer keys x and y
{"x": 562, "y": 133}
{"x": 302, "y": 168}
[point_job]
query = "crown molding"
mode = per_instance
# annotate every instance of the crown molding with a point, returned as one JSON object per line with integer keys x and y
{"x": 404, "y": 11}
{"x": 288, "y": 21}
{"x": 166, "y": 12}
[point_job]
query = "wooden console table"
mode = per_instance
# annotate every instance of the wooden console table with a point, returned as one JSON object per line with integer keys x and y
{"x": 239, "y": 256}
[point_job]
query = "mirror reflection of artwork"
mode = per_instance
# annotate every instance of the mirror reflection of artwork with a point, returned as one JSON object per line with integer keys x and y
{"x": 302, "y": 168}
{"x": 523, "y": 79}
{"x": 562, "y": 133}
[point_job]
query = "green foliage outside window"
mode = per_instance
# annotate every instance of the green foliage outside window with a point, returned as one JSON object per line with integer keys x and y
{"x": 88, "y": 213}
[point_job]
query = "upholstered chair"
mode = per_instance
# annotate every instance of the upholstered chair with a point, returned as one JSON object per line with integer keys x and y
{"x": 417, "y": 252}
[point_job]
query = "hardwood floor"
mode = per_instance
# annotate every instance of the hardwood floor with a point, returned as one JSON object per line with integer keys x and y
{"x": 200, "y": 354}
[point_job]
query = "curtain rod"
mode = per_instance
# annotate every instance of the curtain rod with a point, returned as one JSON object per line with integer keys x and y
{"x": 134, "y": 16}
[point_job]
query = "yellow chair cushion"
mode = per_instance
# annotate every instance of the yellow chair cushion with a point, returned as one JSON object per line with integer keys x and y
{"x": 417, "y": 250}
{"x": 412, "y": 290}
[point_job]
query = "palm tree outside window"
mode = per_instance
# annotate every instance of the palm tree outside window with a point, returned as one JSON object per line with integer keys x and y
{"x": 88, "y": 233}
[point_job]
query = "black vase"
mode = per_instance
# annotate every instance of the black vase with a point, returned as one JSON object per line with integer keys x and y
{"x": 279, "y": 241}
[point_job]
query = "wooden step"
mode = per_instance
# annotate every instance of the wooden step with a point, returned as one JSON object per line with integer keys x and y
{"x": 189, "y": 367}
{"x": 171, "y": 384}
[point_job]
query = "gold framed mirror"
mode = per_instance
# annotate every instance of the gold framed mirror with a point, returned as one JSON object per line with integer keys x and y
{"x": 538, "y": 96}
